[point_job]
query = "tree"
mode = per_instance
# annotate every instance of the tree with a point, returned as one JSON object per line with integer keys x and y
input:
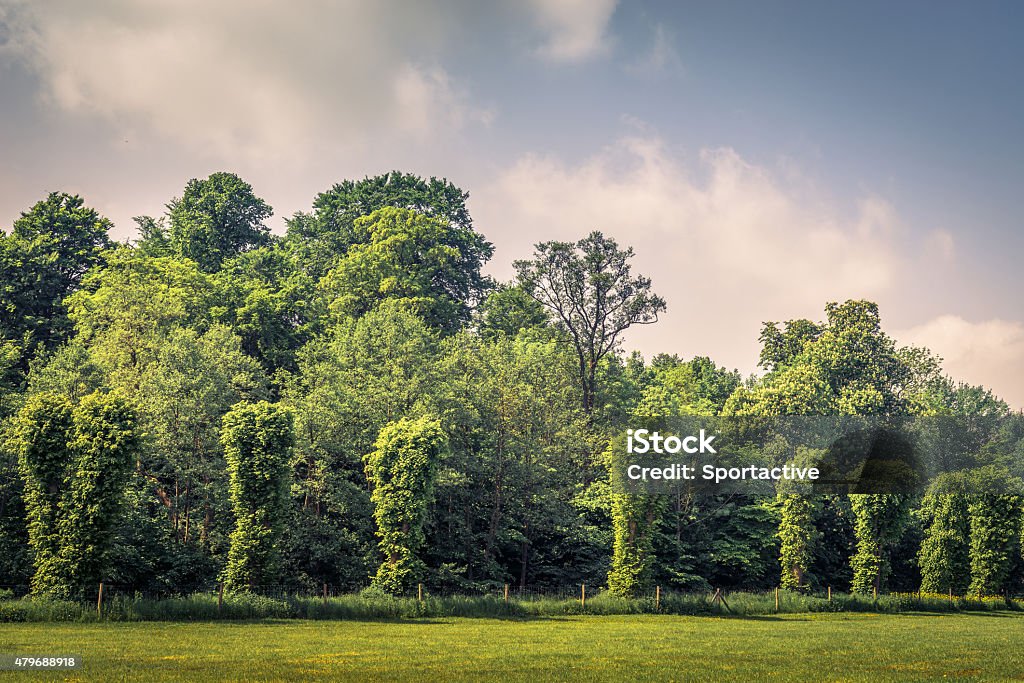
{"x": 217, "y": 218}
{"x": 42, "y": 261}
{"x": 329, "y": 231}
{"x": 258, "y": 440}
{"x": 508, "y": 310}
{"x": 944, "y": 556}
{"x": 880, "y": 518}
{"x": 409, "y": 257}
{"x": 588, "y": 287}
{"x": 75, "y": 461}
{"x": 798, "y": 538}
{"x": 402, "y": 469}
{"x": 42, "y": 435}
{"x": 106, "y": 445}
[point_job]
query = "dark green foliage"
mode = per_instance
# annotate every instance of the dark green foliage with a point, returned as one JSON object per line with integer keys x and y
{"x": 258, "y": 440}
{"x": 402, "y": 470}
{"x": 330, "y": 231}
{"x": 42, "y": 261}
{"x": 215, "y": 219}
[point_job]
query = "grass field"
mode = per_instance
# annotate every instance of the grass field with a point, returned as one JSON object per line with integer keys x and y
{"x": 632, "y": 647}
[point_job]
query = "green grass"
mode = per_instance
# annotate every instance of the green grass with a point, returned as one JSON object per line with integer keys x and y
{"x": 873, "y": 647}
{"x": 375, "y": 605}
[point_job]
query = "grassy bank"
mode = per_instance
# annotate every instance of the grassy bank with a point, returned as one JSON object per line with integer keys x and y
{"x": 206, "y": 607}
{"x": 631, "y": 647}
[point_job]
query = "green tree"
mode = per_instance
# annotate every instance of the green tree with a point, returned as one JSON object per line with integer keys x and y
{"x": 327, "y": 233}
{"x": 588, "y": 287}
{"x": 410, "y": 257}
{"x": 402, "y": 470}
{"x": 42, "y": 261}
{"x": 106, "y": 444}
{"x": 880, "y": 519}
{"x": 634, "y": 520}
{"x": 508, "y": 310}
{"x": 944, "y": 556}
{"x": 42, "y": 435}
{"x": 995, "y": 528}
{"x": 75, "y": 461}
{"x": 798, "y": 537}
{"x": 258, "y": 440}
{"x": 217, "y": 218}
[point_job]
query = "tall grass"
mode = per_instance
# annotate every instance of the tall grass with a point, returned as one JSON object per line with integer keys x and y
{"x": 378, "y": 606}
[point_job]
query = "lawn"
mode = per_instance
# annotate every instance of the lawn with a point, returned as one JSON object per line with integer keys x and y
{"x": 632, "y": 647}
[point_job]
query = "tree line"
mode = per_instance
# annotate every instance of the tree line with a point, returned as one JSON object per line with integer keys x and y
{"x": 356, "y": 403}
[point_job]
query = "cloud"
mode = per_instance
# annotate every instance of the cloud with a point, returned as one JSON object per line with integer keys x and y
{"x": 727, "y": 218}
{"x": 727, "y": 242}
{"x": 574, "y": 30}
{"x": 989, "y": 352}
{"x": 260, "y": 79}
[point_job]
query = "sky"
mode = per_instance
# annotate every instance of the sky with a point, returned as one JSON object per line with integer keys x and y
{"x": 762, "y": 158}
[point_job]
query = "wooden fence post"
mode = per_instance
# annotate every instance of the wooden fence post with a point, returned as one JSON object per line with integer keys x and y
{"x": 506, "y": 593}
{"x": 875, "y": 593}
{"x": 776, "y": 599}
{"x": 419, "y": 592}
{"x": 583, "y": 595}
{"x": 657, "y": 598}
{"x": 830, "y": 593}
{"x": 99, "y": 601}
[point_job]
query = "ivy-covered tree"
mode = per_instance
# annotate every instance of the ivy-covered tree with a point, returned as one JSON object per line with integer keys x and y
{"x": 402, "y": 470}
{"x": 634, "y": 519}
{"x": 258, "y": 440}
{"x": 944, "y": 556}
{"x": 105, "y": 445}
{"x": 880, "y": 518}
{"x": 75, "y": 461}
{"x": 995, "y": 528}
{"x": 42, "y": 437}
{"x": 798, "y": 537}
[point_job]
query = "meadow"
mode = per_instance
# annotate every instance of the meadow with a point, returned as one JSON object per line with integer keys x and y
{"x": 863, "y": 646}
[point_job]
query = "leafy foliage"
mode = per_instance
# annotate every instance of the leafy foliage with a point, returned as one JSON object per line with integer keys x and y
{"x": 257, "y": 439}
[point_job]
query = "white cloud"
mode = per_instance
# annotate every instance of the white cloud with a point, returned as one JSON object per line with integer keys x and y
{"x": 575, "y": 30}
{"x": 728, "y": 243}
{"x": 989, "y": 352}
{"x": 261, "y": 79}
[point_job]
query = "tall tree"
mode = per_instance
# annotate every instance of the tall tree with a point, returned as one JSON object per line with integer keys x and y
{"x": 402, "y": 469}
{"x": 75, "y": 461}
{"x": 409, "y": 257}
{"x": 42, "y": 261}
{"x": 217, "y": 218}
{"x": 258, "y": 440}
{"x": 329, "y": 231}
{"x": 589, "y": 288}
